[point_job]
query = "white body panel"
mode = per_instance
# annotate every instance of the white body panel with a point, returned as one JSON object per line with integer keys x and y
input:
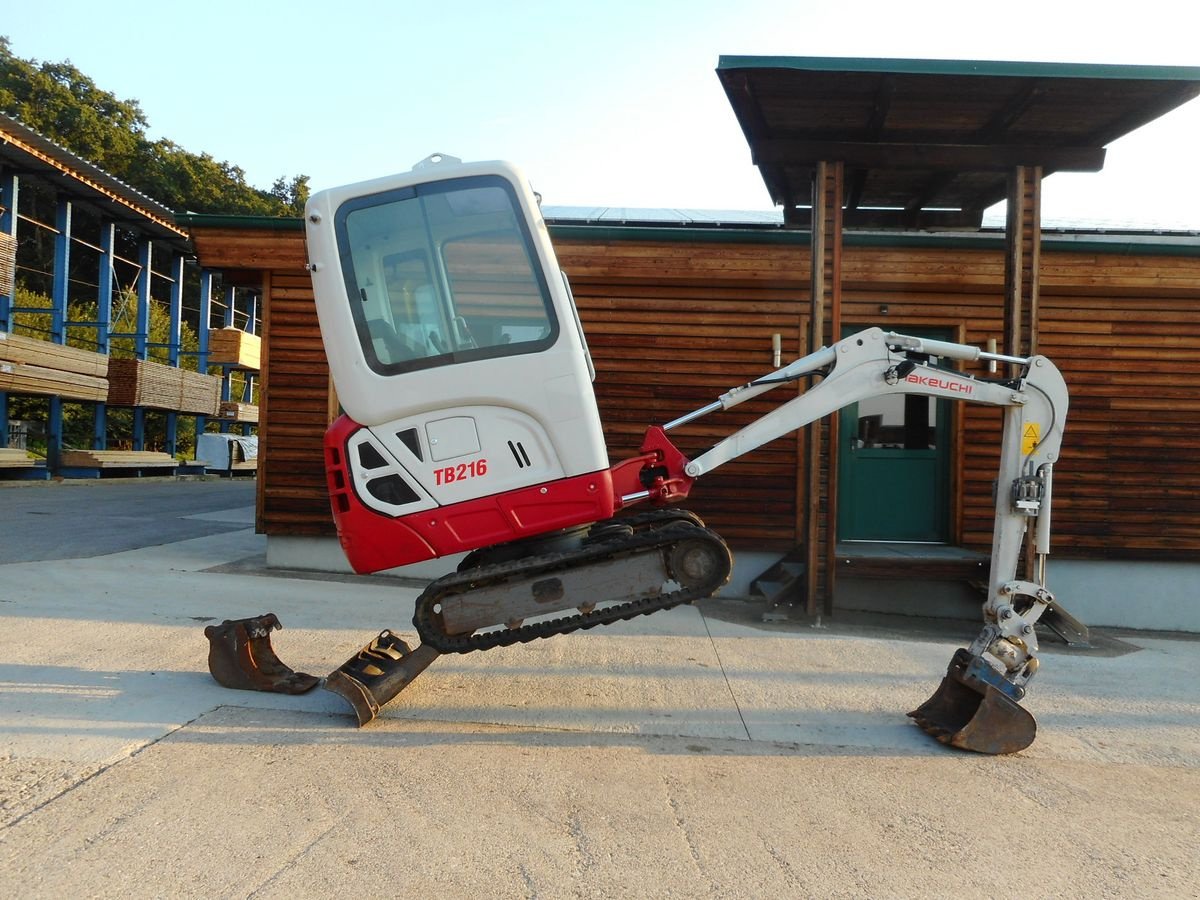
{"x": 473, "y": 451}
{"x": 545, "y": 395}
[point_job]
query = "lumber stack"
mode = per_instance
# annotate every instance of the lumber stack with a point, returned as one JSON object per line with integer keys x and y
{"x": 234, "y": 347}
{"x": 139, "y": 382}
{"x": 32, "y": 366}
{"x": 8, "y": 263}
{"x": 242, "y": 413}
{"x": 116, "y": 459}
{"x": 13, "y": 457}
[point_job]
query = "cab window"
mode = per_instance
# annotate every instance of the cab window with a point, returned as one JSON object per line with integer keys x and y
{"x": 443, "y": 273}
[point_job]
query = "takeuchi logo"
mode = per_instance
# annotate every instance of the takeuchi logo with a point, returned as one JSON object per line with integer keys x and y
{"x": 942, "y": 384}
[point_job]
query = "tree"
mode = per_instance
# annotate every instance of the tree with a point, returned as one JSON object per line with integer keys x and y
{"x": 63, "y": 104}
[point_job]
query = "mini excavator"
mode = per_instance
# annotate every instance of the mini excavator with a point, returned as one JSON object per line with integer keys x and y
{"x": 470, "y": 426}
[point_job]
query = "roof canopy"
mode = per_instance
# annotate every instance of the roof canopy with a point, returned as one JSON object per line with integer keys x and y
{"x": 930, "y": 141}
{"x": 25, "y": 151}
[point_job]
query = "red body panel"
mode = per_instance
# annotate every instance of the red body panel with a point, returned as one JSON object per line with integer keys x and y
{"x": 373, "y": 541}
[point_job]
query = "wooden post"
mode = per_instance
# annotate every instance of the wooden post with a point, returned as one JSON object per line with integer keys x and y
{"x": 825, "y": 329}
{"x": 1022, "y": 241}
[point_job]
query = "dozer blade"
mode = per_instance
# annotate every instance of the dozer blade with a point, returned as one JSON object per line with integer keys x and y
{"x": 240, "y": 656}
{"x": 377, "y": 673}
{"x": 971, "y": 710}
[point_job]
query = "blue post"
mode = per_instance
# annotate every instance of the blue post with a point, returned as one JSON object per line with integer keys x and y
{"x": 58, "y": 319}
{"x": 206, "y": 283}
{"x": 175, "y": 338}
{"x": 8, "y": 226}
{"x": 62, "y": 273}
{"x": 226, "y": 393}
{"x": 230, "y": 308}
{"x": 142, "y": 336}
{"x": 206, "y": 280}
{"x": 100, "y": 427}
{"x": 248, "y": 395}
{"x": 9, "y": 188}
{"x": 54, "y": 434}
{"x": 139, "y": 428}
{"x": 104, "y": 292}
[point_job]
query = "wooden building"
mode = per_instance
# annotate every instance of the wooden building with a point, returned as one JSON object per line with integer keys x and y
{"x": 675, "y": 315}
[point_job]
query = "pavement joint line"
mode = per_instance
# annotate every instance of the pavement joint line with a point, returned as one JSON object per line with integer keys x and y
{"x": 725, "y": 675}
{"x": 695, "y": 743}
{"x": 105, "y": 767}
{"x": 282, "y": 867}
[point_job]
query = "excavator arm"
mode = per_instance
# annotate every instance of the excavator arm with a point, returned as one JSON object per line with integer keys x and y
{"x": 976, "y": 706}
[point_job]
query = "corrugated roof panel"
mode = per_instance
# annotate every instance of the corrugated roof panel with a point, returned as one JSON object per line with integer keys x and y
{"x": 30, "y": 150}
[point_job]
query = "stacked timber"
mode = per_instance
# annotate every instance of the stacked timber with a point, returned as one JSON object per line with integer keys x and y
{"x": 8, "y": 263}
{"x": 234, "y": 347}
{"x": 116, "y": 459}
{"x": 139, "y": 382}
{"x": 199, "y": 393}
{"x": 32, "y": 366}
{"x": 13, "y": 457}
{"x": 242, "y": 413}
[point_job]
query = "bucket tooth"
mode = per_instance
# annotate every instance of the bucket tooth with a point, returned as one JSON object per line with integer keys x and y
{"x": 377, "y": 673}
{"x": 972, "y": 711}
{"x": 240, "y": 656}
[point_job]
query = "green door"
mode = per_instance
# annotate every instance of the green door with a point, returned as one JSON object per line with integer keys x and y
{"x": 894, "y": 468}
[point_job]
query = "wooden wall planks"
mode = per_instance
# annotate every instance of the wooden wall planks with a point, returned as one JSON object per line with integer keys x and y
{"x": 672, "y": 324}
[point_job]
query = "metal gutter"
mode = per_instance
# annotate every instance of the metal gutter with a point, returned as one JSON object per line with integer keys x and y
{"x": 218, "y": 220}
{"x": 1184, "y": 244}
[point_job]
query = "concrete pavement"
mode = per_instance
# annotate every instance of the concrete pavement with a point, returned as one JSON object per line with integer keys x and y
{"x": 685, "y": 754}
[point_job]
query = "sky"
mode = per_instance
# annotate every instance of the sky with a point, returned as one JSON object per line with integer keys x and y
{"x": 606, "y": 104}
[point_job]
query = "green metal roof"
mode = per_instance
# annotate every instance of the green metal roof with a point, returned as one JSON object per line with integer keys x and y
{"x": 564, "y": 225}
{"x": 932, "y": 142}
{"x": 214, "y": 220}
{"x": 996, "y": 68}
{"x": 1073, "y": 242}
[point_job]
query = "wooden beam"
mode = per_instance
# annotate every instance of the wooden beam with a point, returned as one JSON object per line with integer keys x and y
{"x": 958, "y": 157}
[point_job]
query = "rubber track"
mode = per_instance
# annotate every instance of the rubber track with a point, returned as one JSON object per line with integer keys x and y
{"x": 480, "y": 579}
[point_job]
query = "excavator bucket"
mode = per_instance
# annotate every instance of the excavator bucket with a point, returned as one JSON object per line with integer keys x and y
{"x": 240, "y": 656}
{"x": 973, "y": 709}
{"x": 377, "y": 673}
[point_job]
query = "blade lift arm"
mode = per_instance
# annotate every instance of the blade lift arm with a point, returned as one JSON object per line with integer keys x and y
{"x": 874, "y": 363}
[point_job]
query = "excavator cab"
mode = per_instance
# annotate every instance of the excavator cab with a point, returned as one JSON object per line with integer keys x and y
{"x": 459, "y": 361}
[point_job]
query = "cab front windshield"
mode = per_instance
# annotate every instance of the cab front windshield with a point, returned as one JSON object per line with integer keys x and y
{"x": 441, "y": 273}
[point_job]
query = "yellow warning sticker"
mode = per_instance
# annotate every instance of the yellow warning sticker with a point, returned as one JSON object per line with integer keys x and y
{"x": 1030, "y": 438}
